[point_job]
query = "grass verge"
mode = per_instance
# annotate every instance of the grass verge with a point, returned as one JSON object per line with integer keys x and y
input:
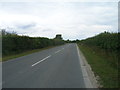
{"x": 5, "y": 58}
{"x": 100, "y": 64}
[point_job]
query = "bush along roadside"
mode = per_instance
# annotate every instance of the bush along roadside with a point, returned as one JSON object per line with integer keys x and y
{"x": 13, "y": 44}
{"x": 101, "y": 52}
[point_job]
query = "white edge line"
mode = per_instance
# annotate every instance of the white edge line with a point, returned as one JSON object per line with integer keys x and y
{"x": 2, "y": 83}
{"x": 86, "y": 79}
{"x": 41, "y": 60}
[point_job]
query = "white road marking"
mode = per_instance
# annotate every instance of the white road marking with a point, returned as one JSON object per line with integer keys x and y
{"x": 86, "y": 79}
{"x": 57, "y": 51}
{"x": 1, "y": 83}
{"x": 41, "y": 60}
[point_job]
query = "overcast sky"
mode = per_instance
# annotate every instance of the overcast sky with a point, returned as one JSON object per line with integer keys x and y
{"x": 74, "y": 20}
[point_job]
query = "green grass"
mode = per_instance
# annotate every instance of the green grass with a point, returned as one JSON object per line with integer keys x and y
{"x": 101, "y": 64}
{"x": 8, "y": 57}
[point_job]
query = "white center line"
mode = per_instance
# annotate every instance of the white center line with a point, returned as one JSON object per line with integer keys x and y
{"x": 41, "y": 60}
{"x": 57, "y": 51}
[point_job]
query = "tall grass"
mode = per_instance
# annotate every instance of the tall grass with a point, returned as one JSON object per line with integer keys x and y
{"x": 102, "y": 52}
{"x": 109, "y": 42}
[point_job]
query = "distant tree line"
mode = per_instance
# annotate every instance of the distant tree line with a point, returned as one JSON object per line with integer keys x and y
{"x": 13, "y": 43}
{"x": 72, "y": 41}
{"x": 106, "y": 40}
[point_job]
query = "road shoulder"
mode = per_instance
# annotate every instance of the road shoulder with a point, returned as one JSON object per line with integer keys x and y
{"x": 88, "y": 75}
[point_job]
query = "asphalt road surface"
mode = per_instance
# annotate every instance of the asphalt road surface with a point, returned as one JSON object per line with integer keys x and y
{"x": 58, "y": 67}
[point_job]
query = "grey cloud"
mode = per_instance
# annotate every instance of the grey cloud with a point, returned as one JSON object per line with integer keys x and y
{"x": 26, "y": 26}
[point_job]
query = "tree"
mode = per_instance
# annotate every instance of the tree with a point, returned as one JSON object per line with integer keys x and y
{"x": 58, "y": 36}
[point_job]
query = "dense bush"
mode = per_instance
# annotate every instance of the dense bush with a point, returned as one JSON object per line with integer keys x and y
{"x": 106, "y": 40}
{"x": 102, "y": 53}
{"x": 13, "y": 43}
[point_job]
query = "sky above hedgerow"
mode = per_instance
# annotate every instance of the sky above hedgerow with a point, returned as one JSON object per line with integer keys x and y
{"x": 72, "y": 19}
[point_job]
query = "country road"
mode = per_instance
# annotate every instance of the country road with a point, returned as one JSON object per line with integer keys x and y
{"x": 58, "y": 67}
